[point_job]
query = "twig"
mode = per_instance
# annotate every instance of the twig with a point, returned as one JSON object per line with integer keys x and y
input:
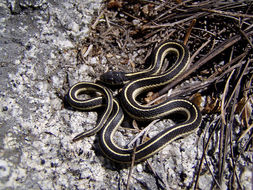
{"x": 224, "y": 67}
{"x": 243, "y": 20}
{"x": 247, "y": 38}
{"x": 131, "y": 168}
{"x": 236, "y": 160}
{"x": 168, "y": 11}
{"x": 239, "y": 155}
{"x": 199, "y": 49}
{"x": 227, "y": 13}
{"x": 87, "y": 51}
{"x": 107, "y": 21}
{"x": 238, "y": 82}
{"x": 233, "y": 94}
{"x": 155, "y": 173}
{"x": 220, "y": 161}
{"x": 141, "y": 133}
{"x": 93, "y": 26}
{"x": 223, "y": 98}
{"x": 230, "y": 135}
{"x": 145, "y": 27}
{"x": 211, "y": 172}
{"x": 188, "y": 33}
{"x": 205, "y": 147}
{"x": 131, "y": 16}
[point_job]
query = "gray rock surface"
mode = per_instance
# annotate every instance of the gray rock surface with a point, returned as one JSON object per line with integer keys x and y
{"x": 37, "y": 44}
{"x": 38, "y": 50}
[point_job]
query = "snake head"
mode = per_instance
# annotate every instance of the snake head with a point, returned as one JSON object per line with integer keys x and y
{"x": 114, "y": 78}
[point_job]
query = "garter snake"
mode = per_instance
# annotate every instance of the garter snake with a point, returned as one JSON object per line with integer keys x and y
{"x": 134, "y": 85}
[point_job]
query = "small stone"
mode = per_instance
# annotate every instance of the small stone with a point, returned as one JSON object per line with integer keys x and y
{"x": 136, "y": 22}
{"x": 42, "y": 162}
{"x": 5, "y": 108}
{"x": 139, "y": 168}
